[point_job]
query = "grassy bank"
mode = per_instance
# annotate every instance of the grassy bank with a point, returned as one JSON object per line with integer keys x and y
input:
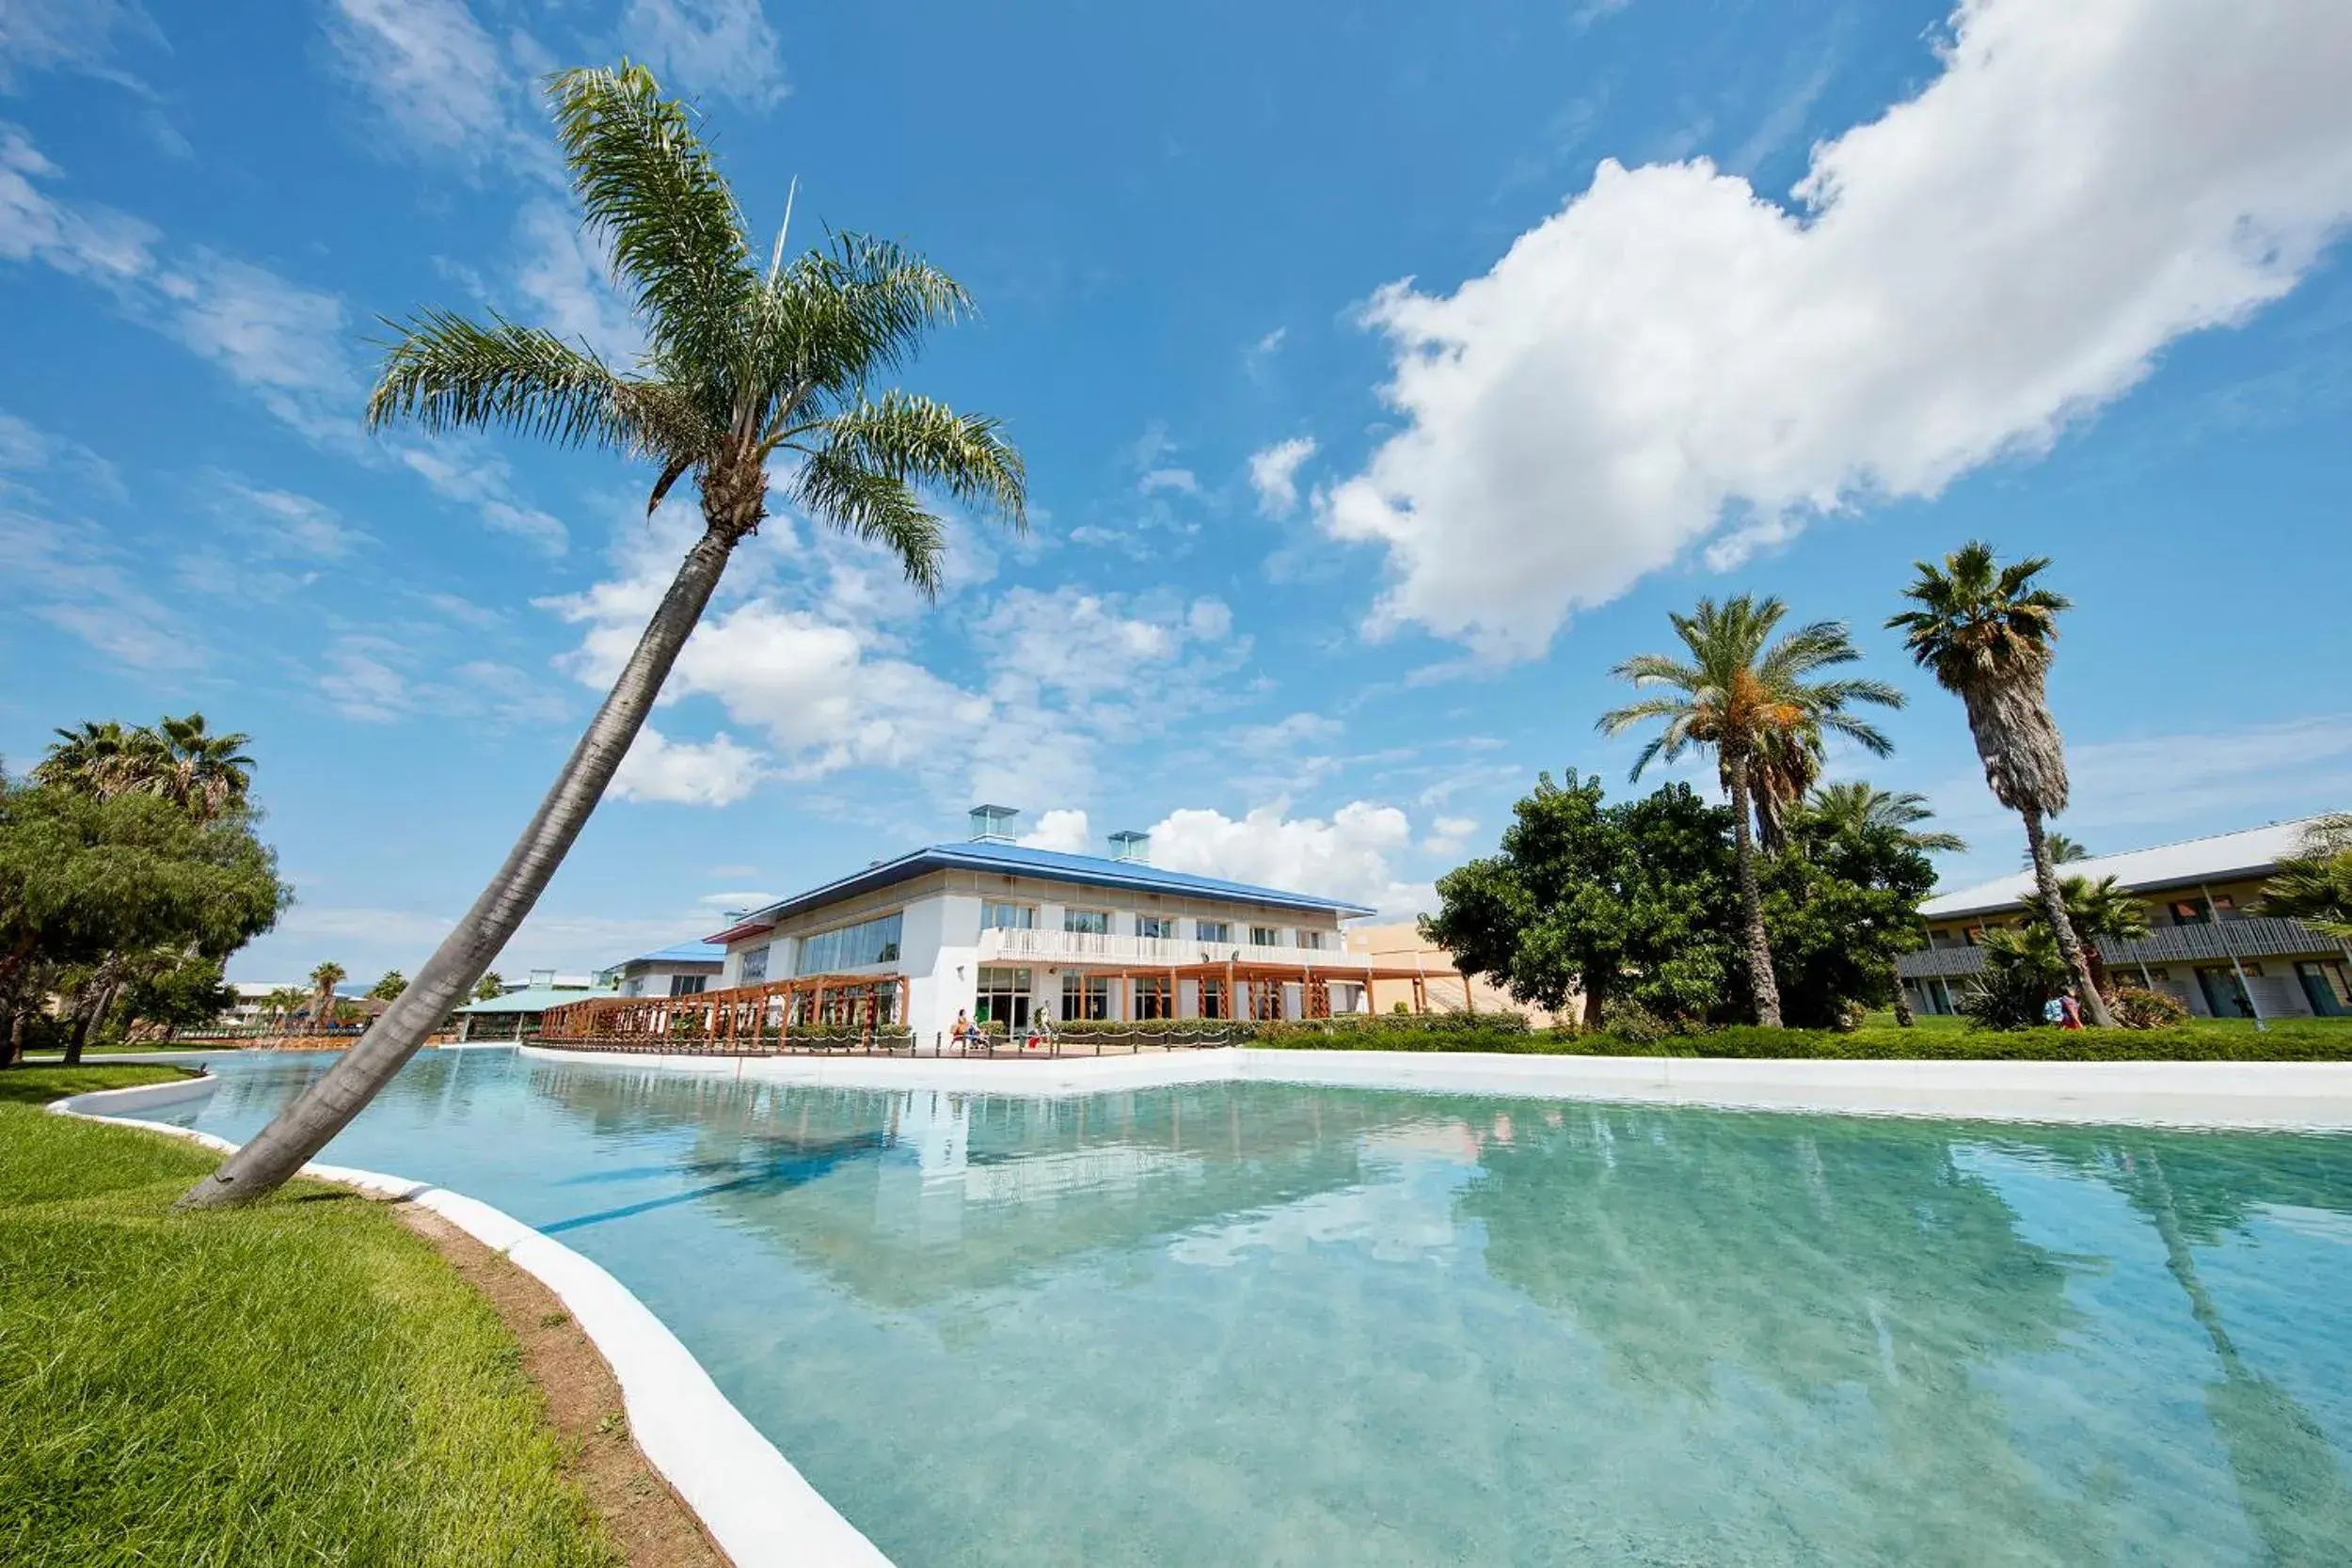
{"x": 302, "y": 1382}
{"x": 2201, "y": 1040}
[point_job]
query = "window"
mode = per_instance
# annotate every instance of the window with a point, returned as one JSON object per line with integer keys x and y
{"x": 1154, "y": 925}
{"x": 1008, "y": 917}
{"x": 1213, "y": 999}
{"x": 755, "y": 967}
{"x": 1264, "y": 936}
{"x": 1092, "y": 923}
{"x": 869, "y": 941}
{"x": 688, "y": 984}
{"x": 1213, "y": 931}
{"x": 1003, "y": 998}
{"x": 2193, "y": 911}
{"x": 633, "y": 985}
{"x": 1086, "y": 996}
{"x": 1156, "y": 996}
{"x": 1311, "y": 941}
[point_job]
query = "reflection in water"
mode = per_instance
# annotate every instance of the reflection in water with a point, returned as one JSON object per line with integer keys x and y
{"x": 1254, "y": 1324}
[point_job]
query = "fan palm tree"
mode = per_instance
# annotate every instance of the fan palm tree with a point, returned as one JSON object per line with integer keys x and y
{"x": 1988, "y": 634}
{"x": 2314, "y": 884}
{"x": 2062, "y": 849}
{"x": 283, "y": 1004}
{"x": 2101, "y": 912}
{"x": 205, "y": 774}
{"x": 1854, "y": 810}
{"x": 390, "y": 987}
{"x": 1745, "y": 694}
{"x": 324, "y": 980}
{"x": 745, "y": 366}
{"x": 490, "y": 987}
{"x": 100, "y": 758}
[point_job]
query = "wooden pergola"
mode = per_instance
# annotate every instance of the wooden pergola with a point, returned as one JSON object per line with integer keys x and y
{"x": 1250, "y": 991}
{"x": 743, "y": 1018}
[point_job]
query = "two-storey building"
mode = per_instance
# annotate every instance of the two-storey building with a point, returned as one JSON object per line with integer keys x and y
{"x": 2208, "y": 943}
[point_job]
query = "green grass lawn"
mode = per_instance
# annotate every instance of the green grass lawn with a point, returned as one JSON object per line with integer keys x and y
{"x": 302, "y": 1382}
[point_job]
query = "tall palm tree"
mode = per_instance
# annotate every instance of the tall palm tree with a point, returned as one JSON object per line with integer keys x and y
{"x": 1988, "y": 633}
{"x": 100, "y": 758}
{"x": 206, "y": 774}
{"x": 745, "y": 366}
{"x": 324, "y": 980}
{"x": 1745, "y": 694}
{"x": 283, "y": 1004}
{"x": 1854, "y": 810}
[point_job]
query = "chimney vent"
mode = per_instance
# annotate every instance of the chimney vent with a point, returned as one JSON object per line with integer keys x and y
{"x": 1128, "y": 844}
{"x": 992, "y": 824}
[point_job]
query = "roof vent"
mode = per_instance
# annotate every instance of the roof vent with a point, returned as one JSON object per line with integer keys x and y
{"x": 543, "y": 979}
{"x": 1128, "y": 844}
{"x": 992, "y": 824}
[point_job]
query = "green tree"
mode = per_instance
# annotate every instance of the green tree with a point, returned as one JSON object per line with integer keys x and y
{"x": 188, "y": 994}
{"x": 2101, "y": 912}
{"x": 2061, "y": 848}
{"x": 87, "y": 880}
{"x": 1855, "y": 813}
{"x": 283, "y": 1004}
{"x": 179, "y": 760}
{"x": 1743, "y": 693}
{"x": 2314, "y": 884}
{"x": 745, "y": 366}
{"x": 390, "y": 987}
{"x": 1988, "y": 633}
{"x": 490, "y": 987}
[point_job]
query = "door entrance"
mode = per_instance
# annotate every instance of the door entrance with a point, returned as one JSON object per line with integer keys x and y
{"x": 2225, "y": 997}
{"x": 1003, "y": 998}
{"x": 2325, "y": 987}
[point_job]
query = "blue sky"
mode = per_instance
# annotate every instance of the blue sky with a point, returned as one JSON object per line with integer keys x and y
{"x": 1384, "y": 380}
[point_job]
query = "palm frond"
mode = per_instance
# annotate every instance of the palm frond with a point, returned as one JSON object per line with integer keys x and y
{"x": 878, "y": 509}
{"x": 649, "y": 186}
{"x": 446, "y": 372}
{"x": 916, "y": 441}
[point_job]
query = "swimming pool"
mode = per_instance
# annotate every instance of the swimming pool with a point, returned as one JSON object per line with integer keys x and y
{"x": 1266, "y": 1323}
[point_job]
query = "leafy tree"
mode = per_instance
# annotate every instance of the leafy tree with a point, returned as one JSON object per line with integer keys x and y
{"x": 1609, "y": 902}
{"x": 491, "y": 986}
{"x": 1842, "y": 904}
{"x": 1988, "y": 634}
{"x": 188, "y": 994}
{"x": 87, "y": 880}
{"x": 2314, "y": 884}
{"x": 1855, "y": 813}
{"x": 746, "y": 366}
{"x": 1746, "y": 695}
{"x": 389, "y": 988}
{"x": 323, "y": 979}
{"x": 179, "y": 760}
{"x": 283, "y": 1004}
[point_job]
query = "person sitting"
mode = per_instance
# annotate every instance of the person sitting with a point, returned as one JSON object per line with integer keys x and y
{"x": 962, "y": 1035}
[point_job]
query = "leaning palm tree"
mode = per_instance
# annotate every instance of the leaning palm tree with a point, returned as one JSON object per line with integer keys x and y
{"x": 1745, "y": 694}
{"x": 324, "y": 980}
{"x": 752, "y": 375}
{"x": 1856, "y": 812}
{"x": 1987, "y": 632}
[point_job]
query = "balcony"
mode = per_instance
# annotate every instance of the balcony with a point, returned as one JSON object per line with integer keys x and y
{"x": 2258, "y": 937}
{"x": 1008, "y": 946}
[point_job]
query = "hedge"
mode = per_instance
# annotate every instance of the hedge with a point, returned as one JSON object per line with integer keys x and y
{"x": 2295, "y": 1040}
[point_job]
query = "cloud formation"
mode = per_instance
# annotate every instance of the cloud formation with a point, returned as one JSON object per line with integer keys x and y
{"x": 1274, "y": 474}
{"x": 717, "y": 772}
{"x": 1672, "y": 359}
{"x": 713, "y": 46}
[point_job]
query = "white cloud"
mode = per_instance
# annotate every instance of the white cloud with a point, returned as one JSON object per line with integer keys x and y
{"x": 1347, "y": 857}
{"x": 567, "y": 276}
{"x": 722, "y": 46}
{"x": 431, "y": 73}
{"x": 84, "y": 241}
{"x": 280, "y": 340}
{"x": 361, "y": 681}
{"x": 1274, "y": 474}
{"x": 283, "y": 524}
{"x": 1062, "y": 828}
{"x": 1978, "y": 268}
{"x": 1448, "y": 835}
{"x": 71, "y": 34}
{"x": 1182, "y": 481}
{"x": 66, "y": 569}
{"x": 717, "y": 772}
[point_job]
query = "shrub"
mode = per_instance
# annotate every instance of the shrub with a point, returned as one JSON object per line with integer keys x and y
{"x": 2021, "y": 971}
{"x": 2136, "y": 1008}
{"x": 1632, "y": 1022}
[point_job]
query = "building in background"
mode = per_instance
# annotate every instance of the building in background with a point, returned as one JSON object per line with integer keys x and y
{"x": 517, "y": 1012}
{"x": 1403, "y": 948}
{"x": 685, "y": 970}
{"x": 1011, "y": 935}
{"x": 2206, "y": 944}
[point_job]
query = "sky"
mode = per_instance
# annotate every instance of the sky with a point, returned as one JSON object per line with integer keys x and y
{"x": 1385, "y": 378}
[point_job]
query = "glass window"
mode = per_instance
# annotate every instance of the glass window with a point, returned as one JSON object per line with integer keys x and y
{"x": 1092, "y": 923}
{"x": 1003, "y": 998}
{"x": 1156, "y": 996}
{"x": 1008, "y": 917}
{"x": 755, "y": 967}
{"x": 1084, "y": 996}
{"x": 1213, "y": 931}
{"x": 688, "y": 984}
{"x": 1154, "y": 925}
{"x": 1213, "y": 999}
{"x": 1264, "y": 936}
{"x": 1311, "y": 941}
{"x": 633, "y": 985}
{"x": 869, "y": 941}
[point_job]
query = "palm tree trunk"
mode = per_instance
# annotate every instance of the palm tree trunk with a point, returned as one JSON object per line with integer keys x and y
{"x": 1760, "y": 977}
{"x": 1903, "y": 1000}
{"x": 305, "y": 1127}
{"x": 2054, "y": 907}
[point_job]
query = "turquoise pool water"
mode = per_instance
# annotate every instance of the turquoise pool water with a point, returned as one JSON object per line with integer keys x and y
{"x": 1260, "y": 1325}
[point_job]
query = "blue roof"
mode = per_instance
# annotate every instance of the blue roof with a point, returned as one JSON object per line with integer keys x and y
{"x": 1051, "y": 866}
{"x": 685, "y": 953}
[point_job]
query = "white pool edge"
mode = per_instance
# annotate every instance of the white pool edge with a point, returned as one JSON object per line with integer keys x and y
{"x": 760, "y": 1509}
{"x": 2303, "y": 1097}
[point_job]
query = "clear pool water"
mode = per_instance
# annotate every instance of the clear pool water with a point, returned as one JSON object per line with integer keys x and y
{"x": 1259, "y": 1324}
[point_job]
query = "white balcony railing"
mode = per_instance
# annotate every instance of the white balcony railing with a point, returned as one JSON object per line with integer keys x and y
{"x": 1004, "y": 945}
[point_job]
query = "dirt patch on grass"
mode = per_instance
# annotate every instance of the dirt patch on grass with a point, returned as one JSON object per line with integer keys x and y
{"x": 641, "y": 1516}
